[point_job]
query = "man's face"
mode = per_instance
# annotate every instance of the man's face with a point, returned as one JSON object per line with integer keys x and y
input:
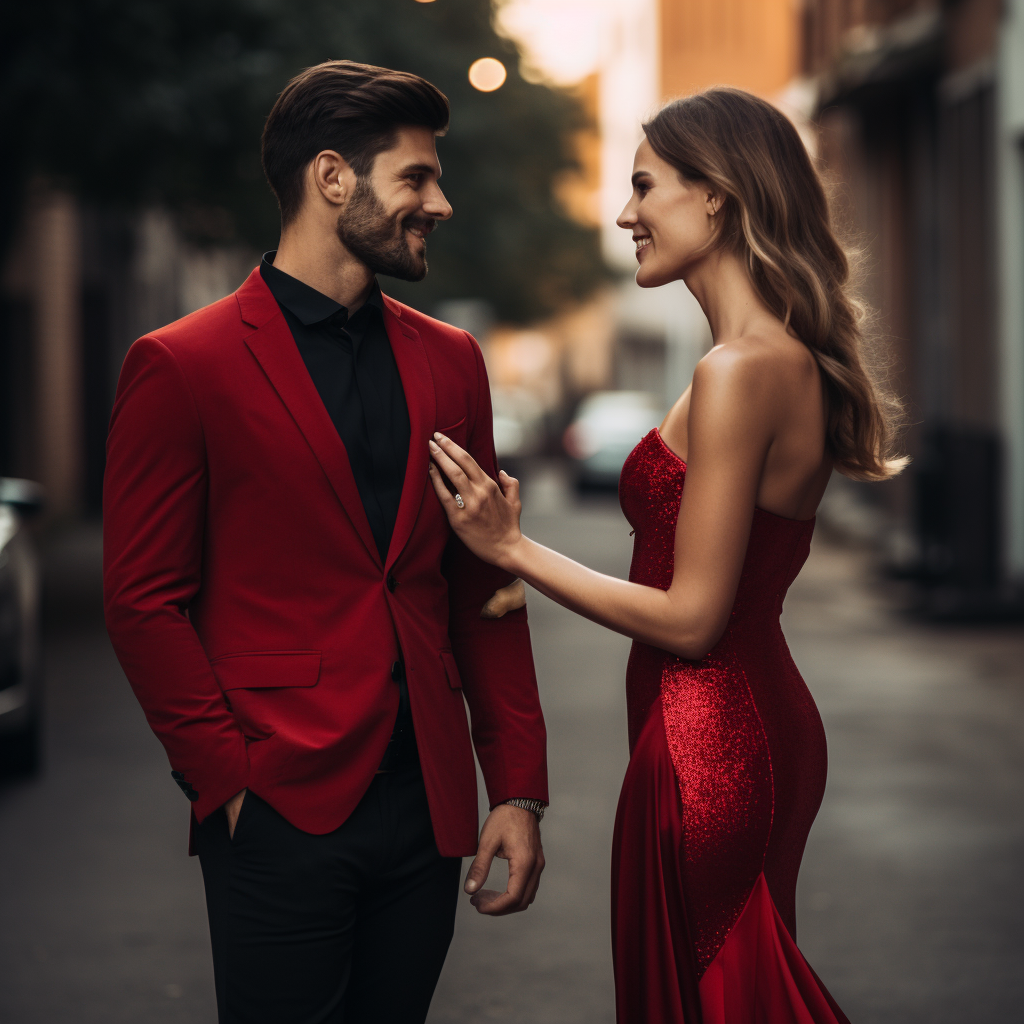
{"x": 391, "y": 211}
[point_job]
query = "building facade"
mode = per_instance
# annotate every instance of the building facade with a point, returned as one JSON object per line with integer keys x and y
{"x": 77, "y": 288}
{"x": 910, "y": 99}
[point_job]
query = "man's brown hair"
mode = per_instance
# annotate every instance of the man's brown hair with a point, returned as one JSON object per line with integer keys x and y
{"x": 354, "y": 109}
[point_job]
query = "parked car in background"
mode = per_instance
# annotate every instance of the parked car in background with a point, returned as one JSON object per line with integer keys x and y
{"x": 20, "y": 678}
{"x": 605, "y": 429}
{"x": 518, "y": 426}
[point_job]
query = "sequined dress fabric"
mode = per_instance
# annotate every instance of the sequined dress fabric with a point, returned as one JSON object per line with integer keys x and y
{"x": 727, "y": 771}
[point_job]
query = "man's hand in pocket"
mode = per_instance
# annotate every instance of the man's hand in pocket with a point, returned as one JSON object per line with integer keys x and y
{"x": 232, "y": 809}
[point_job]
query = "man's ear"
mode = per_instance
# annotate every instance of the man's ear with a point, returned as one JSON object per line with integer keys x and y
{"x": 332, "y": 176}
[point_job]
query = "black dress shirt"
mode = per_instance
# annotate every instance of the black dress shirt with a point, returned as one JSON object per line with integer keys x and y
{"x": 350, "y": 361}
{"x": 354, "y": 372}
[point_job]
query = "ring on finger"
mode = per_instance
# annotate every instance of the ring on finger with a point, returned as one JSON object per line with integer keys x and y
{"x": 459, "y": 501}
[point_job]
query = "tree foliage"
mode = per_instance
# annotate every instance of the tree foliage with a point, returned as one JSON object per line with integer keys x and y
{"x": 142, "y": 102}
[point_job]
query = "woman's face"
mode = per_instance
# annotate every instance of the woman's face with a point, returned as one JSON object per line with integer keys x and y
{"x": 670, "y": 218}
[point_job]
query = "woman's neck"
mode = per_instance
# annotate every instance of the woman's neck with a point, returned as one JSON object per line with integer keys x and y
{"x": 722, "y": 286}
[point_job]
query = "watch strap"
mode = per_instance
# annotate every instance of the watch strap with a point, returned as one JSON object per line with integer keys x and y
{"x": 535, "y": 807}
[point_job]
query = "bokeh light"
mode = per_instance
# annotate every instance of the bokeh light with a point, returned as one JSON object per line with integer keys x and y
{"x": 487, "y": 74}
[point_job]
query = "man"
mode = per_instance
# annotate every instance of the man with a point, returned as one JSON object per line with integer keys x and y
{"x": 288, "y": 603}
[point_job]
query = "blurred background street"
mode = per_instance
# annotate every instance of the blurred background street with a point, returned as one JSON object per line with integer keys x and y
{"x": 131, "y": 194}
{"x": 910, "y": 891}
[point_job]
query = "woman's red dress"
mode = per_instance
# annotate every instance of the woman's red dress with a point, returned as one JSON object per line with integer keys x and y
{"x": 726, "y": 773}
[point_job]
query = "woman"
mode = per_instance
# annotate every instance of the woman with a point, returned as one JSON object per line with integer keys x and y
{"x": 727, "y": 765}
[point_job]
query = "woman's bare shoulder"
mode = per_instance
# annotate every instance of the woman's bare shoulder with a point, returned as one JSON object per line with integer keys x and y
{"x": 756, "y": 364}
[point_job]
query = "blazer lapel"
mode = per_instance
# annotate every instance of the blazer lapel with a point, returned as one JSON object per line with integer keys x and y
{"x": 418, "y": 384}
{"x": 274, "y": 348}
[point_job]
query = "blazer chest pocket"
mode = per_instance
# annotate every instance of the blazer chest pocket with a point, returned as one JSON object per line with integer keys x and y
{"x": 451, "y": 670}
{"x": 267, "y": 669}
{"x": 456, "y": 432}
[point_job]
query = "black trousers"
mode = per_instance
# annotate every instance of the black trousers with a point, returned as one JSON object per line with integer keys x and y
{"x": 351, "y": 927}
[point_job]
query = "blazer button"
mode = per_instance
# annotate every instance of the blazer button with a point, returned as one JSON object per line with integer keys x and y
{"x": 392, "y": 582}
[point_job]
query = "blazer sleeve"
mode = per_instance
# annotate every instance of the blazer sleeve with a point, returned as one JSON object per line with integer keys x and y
{"x": 494, "y": 656}
{"x": 154, "y": 507}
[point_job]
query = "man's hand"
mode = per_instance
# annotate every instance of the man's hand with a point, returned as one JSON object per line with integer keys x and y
{"x": 507, "y": 599}
{"x": 513, "y": 834}
{"x": 232, "y": 809}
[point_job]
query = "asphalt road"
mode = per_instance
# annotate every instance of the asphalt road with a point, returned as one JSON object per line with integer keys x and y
{"x": 912, "y": 887}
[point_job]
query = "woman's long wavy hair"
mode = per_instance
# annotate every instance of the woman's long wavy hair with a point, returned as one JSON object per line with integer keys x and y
{"x": 776, "y": 216}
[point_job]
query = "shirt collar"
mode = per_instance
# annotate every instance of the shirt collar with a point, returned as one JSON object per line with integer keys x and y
{"x": 306, "y": 303}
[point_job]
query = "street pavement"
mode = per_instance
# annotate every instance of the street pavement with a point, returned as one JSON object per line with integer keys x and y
{"x": 912, "y": 889}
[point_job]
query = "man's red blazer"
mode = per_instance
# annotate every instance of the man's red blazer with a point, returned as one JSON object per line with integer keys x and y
{"x": 245, "y": 596}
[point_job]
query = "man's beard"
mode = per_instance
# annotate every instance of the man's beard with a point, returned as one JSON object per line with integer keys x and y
{"x": 366, "y": 230}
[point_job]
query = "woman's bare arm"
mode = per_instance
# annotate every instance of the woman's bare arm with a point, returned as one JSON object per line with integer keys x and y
{"x": 732, "y": 414}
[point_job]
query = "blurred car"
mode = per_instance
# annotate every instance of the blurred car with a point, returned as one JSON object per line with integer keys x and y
{"x": 20, "y": 692}
{"x": 518, "y": 426}
{"x": 605, "y": 429}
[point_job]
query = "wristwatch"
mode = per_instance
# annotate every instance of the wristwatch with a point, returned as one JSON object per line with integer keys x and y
{"x": 536, "y": 807}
